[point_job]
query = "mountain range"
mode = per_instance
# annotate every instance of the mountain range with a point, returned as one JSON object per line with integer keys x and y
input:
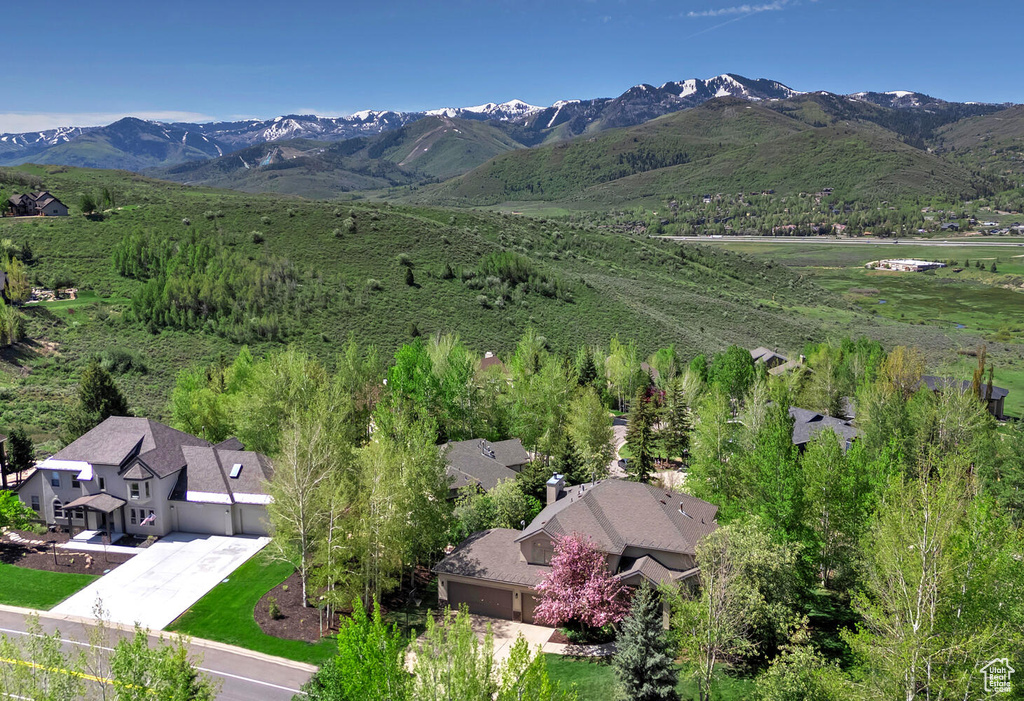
{"x": 135, "y": 144}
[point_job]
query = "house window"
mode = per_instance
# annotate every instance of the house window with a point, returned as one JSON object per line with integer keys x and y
{"x": 58, "y": 509}
{"x": 132, "y": 516}
{"x": 35, "y": 503}
{"x": 103, "y": 484}
{"x": 147, "y": 489}
{"x": 78, "y": 514}
{"x": 75, "y": 484}
{"x": 54, "y": 479}
{"x": 133, "y": 490}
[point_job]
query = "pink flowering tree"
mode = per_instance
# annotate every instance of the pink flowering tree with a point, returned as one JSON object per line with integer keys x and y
{"x": 579, "y": 591}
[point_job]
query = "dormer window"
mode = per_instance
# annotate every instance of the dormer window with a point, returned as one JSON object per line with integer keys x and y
{"x": 134, "y": 490}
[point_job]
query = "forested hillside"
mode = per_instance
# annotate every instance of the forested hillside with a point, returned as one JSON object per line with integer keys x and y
{"x": 725, "y": 145}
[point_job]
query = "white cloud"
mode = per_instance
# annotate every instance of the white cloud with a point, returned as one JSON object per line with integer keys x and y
{"x": 740, "y": 9}
{"x": 19, "y": 122}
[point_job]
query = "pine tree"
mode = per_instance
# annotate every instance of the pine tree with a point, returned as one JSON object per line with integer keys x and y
{"x": 98, "y": 399}
{"x": 640, "y": 436}
{"x": 586, "y": 370}
{"x": 675, "y": 434}
{"x": 642, "y": 662}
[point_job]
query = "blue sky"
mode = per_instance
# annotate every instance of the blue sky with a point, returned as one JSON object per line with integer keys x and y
{"x": 93, "y": 61}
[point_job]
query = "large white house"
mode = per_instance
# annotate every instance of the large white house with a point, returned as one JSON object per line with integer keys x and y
{"x": 138, "y": 476}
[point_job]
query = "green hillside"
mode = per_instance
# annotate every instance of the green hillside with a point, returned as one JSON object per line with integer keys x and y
{"x": 724, "y": 145}
{"x": 993, "y": 142}
{"x": 426, "y": 150}
{"x": 284, "y": 271}
{"x": 858, "y": 162}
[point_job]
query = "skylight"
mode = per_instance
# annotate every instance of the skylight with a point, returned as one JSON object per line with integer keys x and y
{"x": 236, "y": 470}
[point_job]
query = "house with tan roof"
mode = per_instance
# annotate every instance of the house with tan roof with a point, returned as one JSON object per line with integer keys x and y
{"x": 645, "y": 533}
{"x": 137, "y": 476}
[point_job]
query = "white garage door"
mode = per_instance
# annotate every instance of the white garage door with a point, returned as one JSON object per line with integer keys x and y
{"x": 203, "y": 518}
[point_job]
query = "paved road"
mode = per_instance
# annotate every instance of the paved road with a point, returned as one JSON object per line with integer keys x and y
{"x": 804, "y": 240}
{"x": 244, "y": 675}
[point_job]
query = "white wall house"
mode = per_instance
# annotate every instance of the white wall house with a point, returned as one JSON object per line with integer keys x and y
{"x": 138, "y": 476}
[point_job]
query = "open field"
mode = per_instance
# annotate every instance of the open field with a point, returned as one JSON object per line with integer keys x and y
{"x": 971, "y": 306}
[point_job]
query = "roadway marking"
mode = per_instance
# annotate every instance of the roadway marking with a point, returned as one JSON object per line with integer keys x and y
{"x": 110, "y": 649}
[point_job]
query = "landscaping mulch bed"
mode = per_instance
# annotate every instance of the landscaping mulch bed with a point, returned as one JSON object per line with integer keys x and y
{"x": 296, "y": 622}
{"x": 42, "y": 558}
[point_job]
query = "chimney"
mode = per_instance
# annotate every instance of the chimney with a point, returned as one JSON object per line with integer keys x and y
{"x": 556, "y": 485}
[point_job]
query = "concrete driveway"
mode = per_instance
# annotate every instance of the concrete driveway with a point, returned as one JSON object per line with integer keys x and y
{"x": 162, "y": 581}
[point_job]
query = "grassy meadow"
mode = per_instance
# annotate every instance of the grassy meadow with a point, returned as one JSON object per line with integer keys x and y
{"x": 970, "y": 307}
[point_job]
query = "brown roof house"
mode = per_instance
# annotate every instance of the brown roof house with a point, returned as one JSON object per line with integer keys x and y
{"x": 645, "y": 533}
{"x": 483, "y": 463}
{"x": 138, "y": 476}
{"x": 36, "y": 204}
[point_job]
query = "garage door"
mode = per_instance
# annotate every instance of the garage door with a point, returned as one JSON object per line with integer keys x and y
{"x": 485, "y": 601}
{"x": 529, "y": 604}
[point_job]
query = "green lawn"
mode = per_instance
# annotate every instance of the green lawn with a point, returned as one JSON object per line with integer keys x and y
{"x": 595, "y": 680}
{"x": 225, "y": 614}
{"x": 38, "y": 589}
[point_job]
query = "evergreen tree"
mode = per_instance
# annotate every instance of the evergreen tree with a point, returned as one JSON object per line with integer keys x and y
{"x": 20, "y": 453}
{"x": 642, "y": 662}
{"x": 675, "y": 434}
{"x": 98, "y": 399}
{"x": 640, "y": 436}
{"x": 410, "y": 279}
{"x": 586, "y": 369}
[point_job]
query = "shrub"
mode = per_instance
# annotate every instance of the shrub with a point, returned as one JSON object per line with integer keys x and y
{"x": 482, "y": 301}
{"x": 404, "y": 259}
{"x": 186, "y": 221}
{"x": 374, "y": 285}
{"x": 265, "y": 220}
{"x": 273, "y": 609}
{"x": 257, "y": 236}
{"x": 119, "y": 361}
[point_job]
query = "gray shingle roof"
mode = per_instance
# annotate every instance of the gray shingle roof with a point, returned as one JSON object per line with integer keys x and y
{"x": 616, "y": 514}
{"x": 936, "y": 384}
{"x": 807, "y": 424}
{"x": 209, "y": 471}
{"x": 121, "y": 438}
{"x": 766, "y": 355}
{"x": 478, "y": 461}
{"x": 100, "y": 502}
{"x": 492, "y": 555}
{"x": 651, "y": 570}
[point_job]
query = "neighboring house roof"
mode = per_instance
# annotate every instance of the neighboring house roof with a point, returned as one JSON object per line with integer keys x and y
{"x": 616, "y": 514}
{"x": 491, "y": 360}
{"x": 120, "y": 439}
{"x": 3, "y": 280}
{"x": 209, "y": 476}
{"x": 785, "y": 367}
{"x": 483, "y": 463}
{"x": 936, "y": 384}
{"x": 807, "y": 424}
{"x": 766, "y": 355}
{"x": 492, "y": 555}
